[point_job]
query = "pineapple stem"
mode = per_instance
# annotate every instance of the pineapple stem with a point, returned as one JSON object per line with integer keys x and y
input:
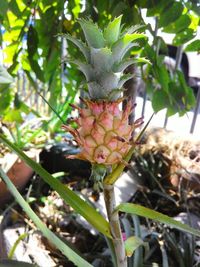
{"x": 109, "y": 198}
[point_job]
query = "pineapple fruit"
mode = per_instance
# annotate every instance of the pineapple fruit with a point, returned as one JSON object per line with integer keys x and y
{"x": 103, "y": 131}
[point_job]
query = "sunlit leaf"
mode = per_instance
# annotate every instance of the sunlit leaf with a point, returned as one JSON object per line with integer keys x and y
{"x": 131, "y": 244}
{"x": 157, "y": 216}
{"x": 183, "y": 37}
{"x": 193, "y": 46}
{"x": 111, "y": 32}
{"x": 123, "y": 45}
{"x": 180, "y": 24}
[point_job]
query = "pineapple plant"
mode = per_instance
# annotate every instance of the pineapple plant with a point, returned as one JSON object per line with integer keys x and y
{"x": 104, "y": 133}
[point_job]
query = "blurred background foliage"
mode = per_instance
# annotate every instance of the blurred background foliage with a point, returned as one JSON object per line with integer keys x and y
{"x": 32, "y": 49}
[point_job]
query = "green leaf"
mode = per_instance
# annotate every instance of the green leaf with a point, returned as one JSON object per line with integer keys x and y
{"x": 85, "y": 68}
{"x": 161, "y": 74}
{"x": 126, "y": 63}
{"x": 5, "y": 77}
{"x": 5, "y": 100}
{"x": 82, "y": 47}
{"x": 121, "y": 47}
{"x": 101, "y": 59}
{"x": 160, "y": 100}
{"x": 149, "y": 53}
{"x": 131, "y": 244}
{"x": 13, "y": 115}
{"x": 66, "y": 250}
{"x": 193, "y": 46}
{"x": 3, "y": 7}
{"x": 170, "y": 14}
{"x": 157, "y": 7}
{"x": 179, "y": 25}
{"x": 13, "y": 6}
{"x": 79, "y": 205}
{"x": 96, "y": 92}
{"x": 124, "y": 79}
{"x": 134, "y": 28}
{"x": 183, "y": 37}
{"x": 36, "y": 68}
{"x": 148, "y": 3}
{"x": 108, "y": 81}
{"x": 93, "y": 34}
{"x": 182, "y": 97}
{"x": 32, "y": 41}
{"x": 111, "y": 32}
{"x": 157, "y": 216}
{"x": 13, "y": 248}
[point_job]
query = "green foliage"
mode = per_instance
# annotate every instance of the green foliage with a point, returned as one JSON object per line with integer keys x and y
{"x": 37, "y": 25}
{"x": 193, "y": 46}
{"x": 157, "y": 216}
{"x": 64, "y": 248}
{"x": 6, "y": 95}
{"x": 131, "y": 244}
{"x": 170, "y": 13}
{"x": 102, "y": 53}
{"x": 79, "y": 205}
{"x": 93, "y": 34}
{"x": 112, "y": 31}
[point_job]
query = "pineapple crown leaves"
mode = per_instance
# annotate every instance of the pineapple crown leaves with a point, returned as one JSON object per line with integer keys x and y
{"x": 104, "y": 54}
{"x": 109, "y": 81}
{"x": 110, "y": 45}
{"x": 94, "y": 91}
{"x": 124, "y": 79}
{"x": 81, "y": 45}
{"x": 85, "y": 68}
{"x": 133, "y": 29}
{"x": 120, "y": 67}
{"x": 93, "y": 35}
{"x": 112, "y": 31}
{"x": 121, "y": 47}
{"x": 97, "y": 38}
{"x": 101, "y": 59}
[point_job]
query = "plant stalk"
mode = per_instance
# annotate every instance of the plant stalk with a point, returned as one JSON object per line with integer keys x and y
{"x": 109, "y": 198}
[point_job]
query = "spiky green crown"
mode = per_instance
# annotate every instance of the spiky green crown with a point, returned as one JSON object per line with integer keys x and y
{"x": 105, "y": 61}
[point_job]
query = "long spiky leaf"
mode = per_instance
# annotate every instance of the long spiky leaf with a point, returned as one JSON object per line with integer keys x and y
{"x": 157, "y": 216}
{"x": 93, "y": 34}
{"x": 66, "y": 250}
{"x": 81, "y": 45}
{"x": 79, "y": 205}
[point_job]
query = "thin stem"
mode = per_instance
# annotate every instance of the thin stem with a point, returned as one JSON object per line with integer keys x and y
{"x": 109, "y": 198}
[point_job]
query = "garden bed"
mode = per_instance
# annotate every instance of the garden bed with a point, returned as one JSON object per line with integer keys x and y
{"x": 155, "y": 188}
